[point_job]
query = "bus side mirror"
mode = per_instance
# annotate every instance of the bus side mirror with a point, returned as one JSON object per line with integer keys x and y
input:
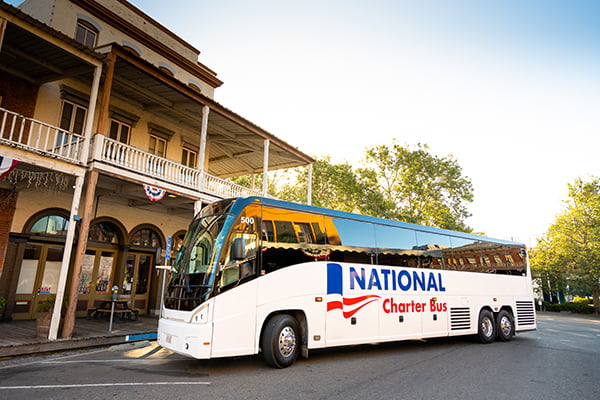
{"x": 238, "y": 249}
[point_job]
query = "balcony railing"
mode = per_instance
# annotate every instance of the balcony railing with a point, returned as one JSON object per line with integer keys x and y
{"x": 29, "y": 134}
{"x": 127, "y": 157}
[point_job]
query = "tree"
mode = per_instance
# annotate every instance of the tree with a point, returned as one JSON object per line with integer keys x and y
{"x": 395, "y": 182}
{"x": 570, "y": 250}
{"x": 423, "y": 188}
{"x": 334, "y": 186}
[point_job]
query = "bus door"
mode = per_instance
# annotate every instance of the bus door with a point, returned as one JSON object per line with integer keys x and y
{"x": 234, "y": 314}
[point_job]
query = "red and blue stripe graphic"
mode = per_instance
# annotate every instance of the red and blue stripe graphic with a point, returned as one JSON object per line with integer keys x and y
{"x": 335, "y": 294}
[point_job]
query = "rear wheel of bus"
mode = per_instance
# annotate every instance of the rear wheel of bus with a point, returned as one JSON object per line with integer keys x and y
{"x": 487, "y": 327}
{"x": 280, "y": 342}
{"x": 506, "y": 325}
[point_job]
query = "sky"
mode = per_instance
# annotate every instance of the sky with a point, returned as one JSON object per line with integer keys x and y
{"x": 510, "y": 89}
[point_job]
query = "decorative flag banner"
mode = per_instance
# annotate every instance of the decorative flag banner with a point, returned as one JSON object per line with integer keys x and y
{"x": 154, "y": 193}
{"x": 7, "y": 165}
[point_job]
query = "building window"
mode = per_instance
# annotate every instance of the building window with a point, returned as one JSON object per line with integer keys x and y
{"x": 51, "y": 225}
{"x": 104, "y": 232}
{"x": 72, "y": 117}
{"x": 119, "y": 131}
{"x": 189, "y": 157}
{"x": 158, "y": 146}
{"x": 145, "y": 237}
{"x": 86, "y": 34}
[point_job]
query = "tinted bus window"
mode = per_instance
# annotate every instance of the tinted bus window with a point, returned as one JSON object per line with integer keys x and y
{"x": 358, "y": 244}
{"x": 355, "y": 234}
{"x": 285, "y": 232}
{"x": 395, "y": 246}
{"x": 433, "y": 247}
{"x": 291, "y": 237}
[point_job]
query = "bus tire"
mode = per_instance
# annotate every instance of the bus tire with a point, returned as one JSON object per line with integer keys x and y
{"x": 487, "y": 327}
{"x": 506, "y": 325}
{"x": 280, "y": 342}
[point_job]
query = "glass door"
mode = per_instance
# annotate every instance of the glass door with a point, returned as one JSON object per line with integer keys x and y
{"x": 136, "y": 279}
{"x": 95, "y": 278}
{"x": 38, "y": 278}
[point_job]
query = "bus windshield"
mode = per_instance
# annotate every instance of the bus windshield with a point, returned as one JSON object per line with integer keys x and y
{"x": 194, "y": 270}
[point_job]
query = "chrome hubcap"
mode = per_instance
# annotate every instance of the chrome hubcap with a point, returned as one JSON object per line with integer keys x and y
{"x": 505, "y": 326}
{"x": 287, "y": 341}
{"x": 486, "y": 327}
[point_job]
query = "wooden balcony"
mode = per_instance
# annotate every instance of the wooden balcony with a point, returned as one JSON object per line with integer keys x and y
{"x": 40, "y": 137}
{"x": 44, "y": 139}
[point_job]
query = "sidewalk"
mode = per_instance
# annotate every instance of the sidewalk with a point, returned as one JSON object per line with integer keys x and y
{"x": 18, "y": 338}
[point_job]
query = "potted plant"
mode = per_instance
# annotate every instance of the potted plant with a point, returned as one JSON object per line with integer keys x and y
{"x": 42, "y": 326}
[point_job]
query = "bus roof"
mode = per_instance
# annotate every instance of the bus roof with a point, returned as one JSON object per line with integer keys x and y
{"x": 242, "y": 202}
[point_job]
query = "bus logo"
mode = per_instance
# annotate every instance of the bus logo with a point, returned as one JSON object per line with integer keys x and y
{"x": 335, "y": 292}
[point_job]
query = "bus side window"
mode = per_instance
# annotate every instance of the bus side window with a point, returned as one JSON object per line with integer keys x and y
{"x": 320, "y": 237}
{"x": 304, "y": 232}
{"x": 285, "y": 232}
{"x": 267, "y": 232}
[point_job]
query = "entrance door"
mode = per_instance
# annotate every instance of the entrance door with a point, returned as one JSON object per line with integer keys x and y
{"x": 38, "y": 278}
{"x": 136, "y": 279}
{"x": 95, "y": 279}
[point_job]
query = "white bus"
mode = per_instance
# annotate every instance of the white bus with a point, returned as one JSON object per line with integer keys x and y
{"x": 256, "y": 275}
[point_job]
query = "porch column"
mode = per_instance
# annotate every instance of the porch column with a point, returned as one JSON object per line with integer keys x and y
{"x": 64, "y": 267}
{"x": 87, "y": 133}
{"x": 309, "y": 184}
{"x": 106, "y": 90}
{"x": 84, "y": 228}
{"x": 202, "y": 150}
{"x": 266, "y": 168}
{"x": 197, "y": 207}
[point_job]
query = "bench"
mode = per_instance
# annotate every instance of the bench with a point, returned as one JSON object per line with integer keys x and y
{"x": 121, "y": 309}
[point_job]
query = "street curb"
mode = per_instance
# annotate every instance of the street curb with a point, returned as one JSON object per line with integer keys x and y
{"x": 70, "y": 344}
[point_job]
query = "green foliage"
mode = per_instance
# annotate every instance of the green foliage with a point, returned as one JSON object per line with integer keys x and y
{"x": 395, "y": 182}
{"x": 568, "y": 257}
{"x": 574, "y": 307}
{"x": 2, "y": 303}
{"x": 423, "y": 188}
{"x": 48, "y": 304}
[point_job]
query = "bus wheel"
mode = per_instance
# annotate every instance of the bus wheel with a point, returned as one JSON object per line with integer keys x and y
{"x": 280, "y": 341}
{"x": 487, "y": 327}
{"x": 506, "y": 325}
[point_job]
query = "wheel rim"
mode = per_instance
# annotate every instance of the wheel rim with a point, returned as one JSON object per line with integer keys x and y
{"x": 506, "y": 326}
{"x": 487, "y": 327}
{"x": 287, "y": 341}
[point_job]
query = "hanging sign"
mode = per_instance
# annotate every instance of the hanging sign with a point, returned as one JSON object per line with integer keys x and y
{"x": 154, "y": 193}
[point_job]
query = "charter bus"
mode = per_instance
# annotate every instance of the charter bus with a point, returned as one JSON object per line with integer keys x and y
{"x": 258, "y": 275}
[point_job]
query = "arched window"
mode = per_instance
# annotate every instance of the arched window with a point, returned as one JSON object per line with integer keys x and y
{"x": 145, "y": 237}
{"x": 177, "y": 240}
{"x": 51, "y": 224}
{"x": 104, "y": 231}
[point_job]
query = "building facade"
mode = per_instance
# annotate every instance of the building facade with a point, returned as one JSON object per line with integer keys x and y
{"x": 110, "y": 140}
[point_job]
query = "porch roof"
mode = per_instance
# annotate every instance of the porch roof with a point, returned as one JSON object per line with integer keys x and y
{"x": 37, "y": 53}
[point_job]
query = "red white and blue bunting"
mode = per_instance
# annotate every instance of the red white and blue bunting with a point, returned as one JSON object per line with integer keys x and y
{"x": 7, "y": 165}
{"x": 154, "y": 193}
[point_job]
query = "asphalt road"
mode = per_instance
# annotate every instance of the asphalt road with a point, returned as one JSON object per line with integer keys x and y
{"x": 561, "y": 360}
